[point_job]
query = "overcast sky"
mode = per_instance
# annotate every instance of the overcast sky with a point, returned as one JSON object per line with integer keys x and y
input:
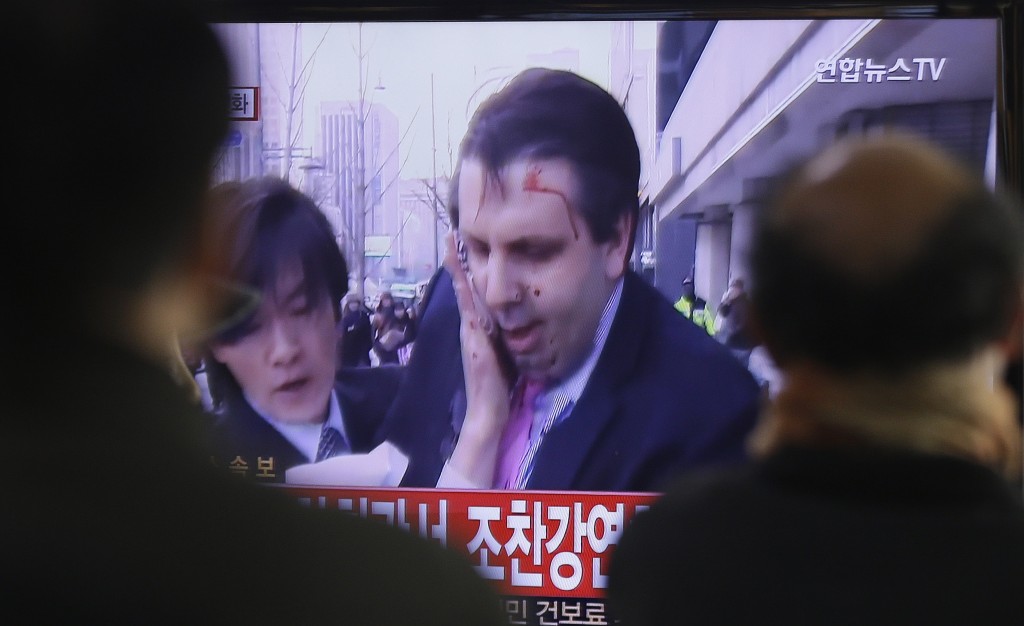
{"x": 463, "y": 57}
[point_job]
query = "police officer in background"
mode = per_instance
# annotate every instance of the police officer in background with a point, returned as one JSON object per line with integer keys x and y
{"x": 695, "y": 308}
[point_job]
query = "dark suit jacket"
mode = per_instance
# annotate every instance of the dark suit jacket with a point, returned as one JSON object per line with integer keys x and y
{"x": 115, "y": 515}
{"x": 364, "y": 395}
{"x": 827, "y": 536}
{"x": 663, "y": 398}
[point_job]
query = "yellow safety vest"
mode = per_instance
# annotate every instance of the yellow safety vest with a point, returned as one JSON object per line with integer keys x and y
{"x": 700, "y": 317}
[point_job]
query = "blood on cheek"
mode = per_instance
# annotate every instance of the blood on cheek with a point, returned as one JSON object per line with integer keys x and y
{"x": 551, "y": 340}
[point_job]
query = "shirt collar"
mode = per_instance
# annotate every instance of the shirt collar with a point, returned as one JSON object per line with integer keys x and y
{"x": 555, "y": 404}
{"x": 306, "y": 437}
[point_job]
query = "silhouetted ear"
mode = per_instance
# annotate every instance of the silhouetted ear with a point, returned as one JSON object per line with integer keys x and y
{"x": 618, "y": 248}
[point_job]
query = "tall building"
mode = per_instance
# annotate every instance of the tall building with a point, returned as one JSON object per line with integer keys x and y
{"x": 424, "y": 223}
{"x": 358, "y": 150}
{"x": 631, "y": 79}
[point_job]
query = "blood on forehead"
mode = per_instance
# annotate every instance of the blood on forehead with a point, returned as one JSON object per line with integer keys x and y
{"x": 532, "y": 182}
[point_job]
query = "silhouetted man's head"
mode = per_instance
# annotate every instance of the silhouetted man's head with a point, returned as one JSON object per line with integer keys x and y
{"x": 123, "y": 109}
{"x": 885, "y": 254}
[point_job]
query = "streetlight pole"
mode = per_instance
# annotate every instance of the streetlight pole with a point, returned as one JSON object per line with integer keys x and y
{"x": 359, "y": 224}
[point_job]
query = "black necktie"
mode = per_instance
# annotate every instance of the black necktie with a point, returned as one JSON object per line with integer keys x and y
{"x": 332, "y": 443}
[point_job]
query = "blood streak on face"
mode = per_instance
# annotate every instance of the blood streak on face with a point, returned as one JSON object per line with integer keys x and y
{"x": 531, "y": 182}
{"x": 518, "y": 243}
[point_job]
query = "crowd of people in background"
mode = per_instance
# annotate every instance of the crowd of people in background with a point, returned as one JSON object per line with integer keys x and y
{"x": 379, "y": 335}
{"x": 355, "y": 333}
{"x": 394, "y": 330}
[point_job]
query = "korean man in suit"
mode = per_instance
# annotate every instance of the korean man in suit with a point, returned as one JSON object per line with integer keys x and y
{"x": 282, "y": 400}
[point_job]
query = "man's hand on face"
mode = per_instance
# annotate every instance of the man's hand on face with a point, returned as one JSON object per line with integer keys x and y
{"x": 488, "y": 380}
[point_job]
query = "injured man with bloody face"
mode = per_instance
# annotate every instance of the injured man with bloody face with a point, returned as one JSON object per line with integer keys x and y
{"x": 543, "y": 361}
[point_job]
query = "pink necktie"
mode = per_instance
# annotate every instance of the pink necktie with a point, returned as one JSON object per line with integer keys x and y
{"x": 516, "y": 436}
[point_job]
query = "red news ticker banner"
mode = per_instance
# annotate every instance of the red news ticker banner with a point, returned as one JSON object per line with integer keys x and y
{"x": 528, "y": 543}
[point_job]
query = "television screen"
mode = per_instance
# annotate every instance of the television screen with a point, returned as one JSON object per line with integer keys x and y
{"x": 366, "y": 118}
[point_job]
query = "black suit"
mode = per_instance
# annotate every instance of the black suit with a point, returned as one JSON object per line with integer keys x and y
{"x": 828, "y": 537}
{"x": 113, "y": 514}
{"x": 364, "y": 395}
{"x": 663, "y": 398}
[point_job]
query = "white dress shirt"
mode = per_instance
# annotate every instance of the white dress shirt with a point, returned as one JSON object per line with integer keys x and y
{"x": 306, "y": 437}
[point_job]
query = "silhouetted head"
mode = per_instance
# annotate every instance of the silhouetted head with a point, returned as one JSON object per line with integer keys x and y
{"x": 124, "y": 108}
{"x": 885, "y": 253}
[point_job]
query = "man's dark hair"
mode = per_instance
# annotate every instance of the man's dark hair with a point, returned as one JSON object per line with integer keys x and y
{"x": 958, "y": 292}
{"x": 266, "y": 226}
{"x": 121, "y": 113}
{"x": 545, "y": 114}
